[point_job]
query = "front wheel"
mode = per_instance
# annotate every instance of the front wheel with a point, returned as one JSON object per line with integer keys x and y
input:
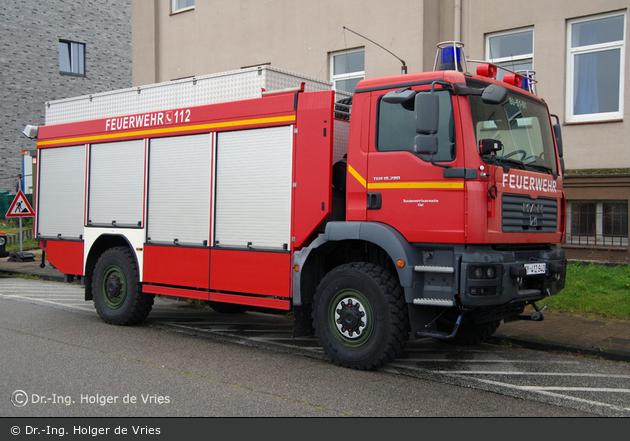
{"x": 117, "y": 293}
{"x": 360, "y": 316}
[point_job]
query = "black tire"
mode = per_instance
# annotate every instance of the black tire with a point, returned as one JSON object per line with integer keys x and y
{"x": 117, "y": 293}
{"x": 474, "y": 333}
{"x": 360, "y": 316}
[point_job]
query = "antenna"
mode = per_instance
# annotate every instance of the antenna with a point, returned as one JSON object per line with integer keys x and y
{"x": 403, "y": 69}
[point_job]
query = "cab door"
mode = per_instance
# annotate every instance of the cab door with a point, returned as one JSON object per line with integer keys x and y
{"x": 408, "y": 190}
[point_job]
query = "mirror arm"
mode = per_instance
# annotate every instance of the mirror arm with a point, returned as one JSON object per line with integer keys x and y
{"x": 464, "y": 90}
{"x": 437, "y": 164}
{"x": 446, "y": 86}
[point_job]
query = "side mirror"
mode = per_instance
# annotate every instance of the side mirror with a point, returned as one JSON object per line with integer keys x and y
{"x": 557, "y": 131}
{"x": 426, "y": 144}
{"x": 427, "y": 113}
{"x": 488, "y": 146}
{"x": 494, "y": 94}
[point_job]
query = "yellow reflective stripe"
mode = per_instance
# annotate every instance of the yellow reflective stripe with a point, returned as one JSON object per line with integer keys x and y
{"x": 245, "y": 122}
{"x": 441, "y": 185}
{"x": 356, "y": 175}
{"x": 384, "y": 185}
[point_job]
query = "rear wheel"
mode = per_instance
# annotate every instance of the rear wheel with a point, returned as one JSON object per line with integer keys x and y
{"x": 117, "y": 293}
{"x": 360, "y": 316}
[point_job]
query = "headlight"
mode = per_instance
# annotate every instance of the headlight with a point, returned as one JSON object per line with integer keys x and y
{"x": 482, "y": 272}
{"x": 3, "y": 240}
{"x": 484, "y": 280}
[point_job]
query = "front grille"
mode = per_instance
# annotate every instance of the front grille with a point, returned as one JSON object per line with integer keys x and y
{"x": 523, "y": 214}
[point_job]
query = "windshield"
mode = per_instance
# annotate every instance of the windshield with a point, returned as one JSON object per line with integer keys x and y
{"x": 522, "y": 126}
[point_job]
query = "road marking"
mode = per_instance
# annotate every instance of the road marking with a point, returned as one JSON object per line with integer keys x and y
{"x": 438, "y": 360}
{"x": 542, "y": 374}
{"x": 542, "y": 390}
{"x": 576, "y": 389}
{"x": 50, "y": 302}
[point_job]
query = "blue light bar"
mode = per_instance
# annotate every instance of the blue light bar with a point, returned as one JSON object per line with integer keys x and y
{"x": 450, "y": 53}
{"x": 451, "y": 56}
{"x": 529, "y": 81}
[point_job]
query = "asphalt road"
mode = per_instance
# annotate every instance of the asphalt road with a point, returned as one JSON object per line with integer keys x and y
{"x": 63, "y": 361}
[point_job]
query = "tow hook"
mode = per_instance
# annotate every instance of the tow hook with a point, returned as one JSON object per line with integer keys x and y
{"x": 538, "y": 315}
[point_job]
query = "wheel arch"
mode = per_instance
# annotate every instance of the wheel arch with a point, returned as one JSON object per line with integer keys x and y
{"x": 100, "y": 245}
{"x": 345, "y": 242}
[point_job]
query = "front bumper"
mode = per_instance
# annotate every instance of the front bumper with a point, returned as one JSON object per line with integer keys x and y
{"x": 495, "y": 276}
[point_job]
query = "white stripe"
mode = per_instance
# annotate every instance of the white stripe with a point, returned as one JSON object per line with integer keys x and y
{"x": 47, "y": 301}
{"x": 543, "y": 374}
{"x": 438, "y": 360}
{"x": 576, "y": 389}
{"x": 551, "y": 394}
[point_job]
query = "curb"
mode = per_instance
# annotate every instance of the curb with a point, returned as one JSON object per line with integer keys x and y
{"x": 39, "y": 276}
{"x": 560, "y": 347}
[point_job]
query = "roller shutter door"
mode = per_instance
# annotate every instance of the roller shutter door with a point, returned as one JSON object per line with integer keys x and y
{"x": 117, "y": 184}
{"x": 61, "y": 192}
{"x": 179, "y": 190}
{"x": 254, "y": 187}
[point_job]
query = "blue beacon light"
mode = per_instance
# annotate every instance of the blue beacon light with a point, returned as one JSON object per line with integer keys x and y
{"x": 451, "y": 57}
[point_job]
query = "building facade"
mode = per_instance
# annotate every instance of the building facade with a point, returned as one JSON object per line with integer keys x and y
{"x": 51, "y": 50}
{"x": 578, "y": 51}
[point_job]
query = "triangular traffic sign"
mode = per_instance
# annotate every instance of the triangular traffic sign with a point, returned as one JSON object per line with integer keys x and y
{"x": 20, "y": 207}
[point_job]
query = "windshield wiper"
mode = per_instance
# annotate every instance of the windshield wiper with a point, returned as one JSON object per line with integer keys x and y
{"x": 509, "y": 162}
{"x": 541, "y": 168}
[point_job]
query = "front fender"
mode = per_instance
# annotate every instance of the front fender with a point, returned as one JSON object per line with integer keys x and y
{"x": 386, "y": 237}
{"x": 382, "y": 235}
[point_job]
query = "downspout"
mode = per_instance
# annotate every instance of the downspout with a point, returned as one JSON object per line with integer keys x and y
{"x": 457, "y": 20}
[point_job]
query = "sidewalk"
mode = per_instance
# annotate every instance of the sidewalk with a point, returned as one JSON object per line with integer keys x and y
{"x": 594, "y": 335}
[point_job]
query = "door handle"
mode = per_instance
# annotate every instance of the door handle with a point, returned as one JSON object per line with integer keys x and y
{"x": 374, "y": 201}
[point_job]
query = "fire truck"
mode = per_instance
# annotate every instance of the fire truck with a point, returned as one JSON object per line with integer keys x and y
{"x": 424, "y": 205}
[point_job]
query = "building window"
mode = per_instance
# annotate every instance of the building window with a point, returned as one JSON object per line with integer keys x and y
{"x": 512, "y": 50}
{"x": 71, "y": 58}
{"x": 347, "y": 68}
{"x": 182, "y": 5}
{"x": 596, "y": 48}
{"x": 597, "y": 223}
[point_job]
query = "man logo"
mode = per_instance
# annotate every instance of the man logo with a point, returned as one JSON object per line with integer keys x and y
{"x": 533, "y": 208}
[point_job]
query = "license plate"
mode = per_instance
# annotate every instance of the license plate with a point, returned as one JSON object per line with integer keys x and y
{"x": 535, "y": 268}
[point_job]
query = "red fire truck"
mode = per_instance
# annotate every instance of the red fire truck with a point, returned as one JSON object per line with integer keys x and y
{"x": 424, "y": 204}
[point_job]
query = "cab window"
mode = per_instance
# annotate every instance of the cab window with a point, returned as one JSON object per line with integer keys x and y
{"x": 396, "y": 128}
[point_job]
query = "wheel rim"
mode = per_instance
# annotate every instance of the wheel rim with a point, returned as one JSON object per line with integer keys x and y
{"x": 114, "y": 287}
{"x": 350, "y": 318}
